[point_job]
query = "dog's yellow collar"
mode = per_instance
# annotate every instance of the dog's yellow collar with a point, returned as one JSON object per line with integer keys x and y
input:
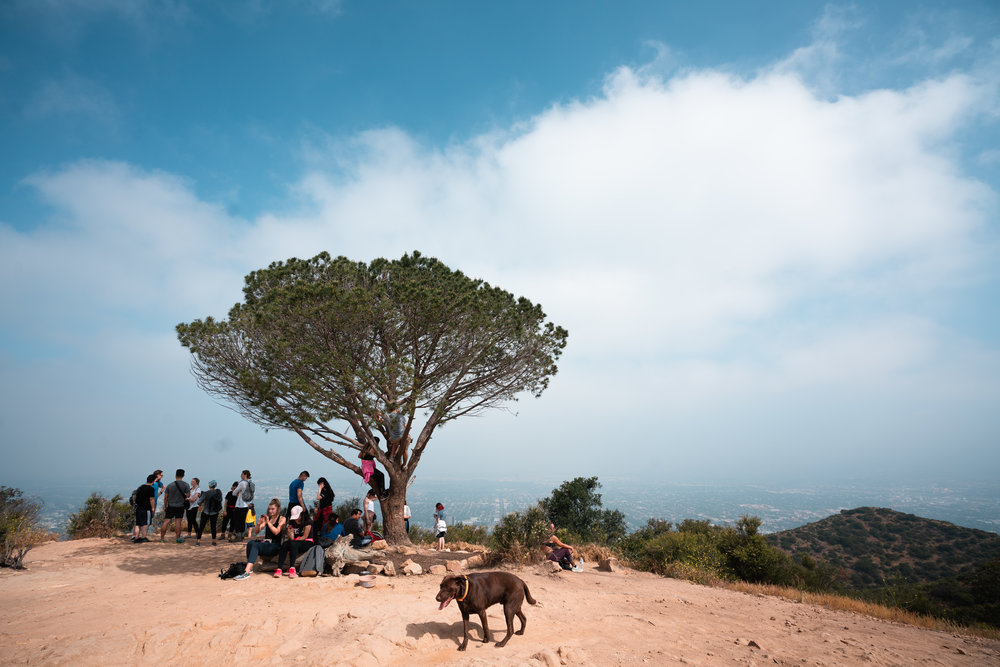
{"x": 466, "y": 593}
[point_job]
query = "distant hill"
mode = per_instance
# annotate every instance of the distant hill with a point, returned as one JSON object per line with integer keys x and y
{"x": 875, "y": 546}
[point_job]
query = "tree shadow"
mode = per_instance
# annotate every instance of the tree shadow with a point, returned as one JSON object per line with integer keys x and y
{"x": 155, "y": 558}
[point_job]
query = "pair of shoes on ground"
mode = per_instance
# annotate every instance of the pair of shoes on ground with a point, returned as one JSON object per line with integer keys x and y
{"x": 291, "y": 573}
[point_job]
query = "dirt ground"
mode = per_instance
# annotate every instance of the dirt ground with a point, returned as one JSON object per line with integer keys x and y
{"x": 104, "y": 602}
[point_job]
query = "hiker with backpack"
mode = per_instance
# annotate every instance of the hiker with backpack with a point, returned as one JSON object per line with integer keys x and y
{"x": 211, "y": 505}
{"x": 244, "y": 496}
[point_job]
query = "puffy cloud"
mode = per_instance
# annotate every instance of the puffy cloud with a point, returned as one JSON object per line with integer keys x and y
{"x": 708, "y": 239}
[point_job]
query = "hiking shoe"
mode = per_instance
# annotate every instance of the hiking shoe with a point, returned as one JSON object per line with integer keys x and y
{"x": 213, "y": 543}
{"x": 179, "y": 540}
{"x": 277, "y": 573}
{"x": 291, "y": 573}
{"x": 241, "y": 576}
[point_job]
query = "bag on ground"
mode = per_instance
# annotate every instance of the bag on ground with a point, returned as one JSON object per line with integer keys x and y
{"x": 231, "y": 571}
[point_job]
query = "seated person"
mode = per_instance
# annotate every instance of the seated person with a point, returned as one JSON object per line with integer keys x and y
{"x": 298, "y": 540}
{"x": 332, "y": 529}
{"x": 556, "y": 550}
{"x": 354, "y": 528}
{"x": 273, "y": 525}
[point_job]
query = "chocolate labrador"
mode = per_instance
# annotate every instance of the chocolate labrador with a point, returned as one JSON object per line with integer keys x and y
{"x": 475, "y": 592}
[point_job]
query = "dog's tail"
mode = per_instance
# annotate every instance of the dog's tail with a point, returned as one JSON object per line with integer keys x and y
{"x": 527, "y": 594}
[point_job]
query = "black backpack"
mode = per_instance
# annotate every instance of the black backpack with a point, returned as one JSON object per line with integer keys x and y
{"x": 233, "y": 570}
{"x": 131, "y": 499}
{"x": 214, "y": 505}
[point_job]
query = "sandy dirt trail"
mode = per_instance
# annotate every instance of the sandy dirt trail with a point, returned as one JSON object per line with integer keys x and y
{"x": 110, "y": 602}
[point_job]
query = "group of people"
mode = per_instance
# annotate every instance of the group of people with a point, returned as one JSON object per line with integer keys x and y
{"x": 182, "y": 502}
{"x": 286, "y": 534}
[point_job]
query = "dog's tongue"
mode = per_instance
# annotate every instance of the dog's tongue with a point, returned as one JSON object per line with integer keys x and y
{"x": 445, "y": 604}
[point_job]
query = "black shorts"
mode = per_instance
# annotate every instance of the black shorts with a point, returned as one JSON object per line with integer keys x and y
{"x": 441, "y": 534}
{"x": 142, "y": 517}
{"x": 174, "y": 512}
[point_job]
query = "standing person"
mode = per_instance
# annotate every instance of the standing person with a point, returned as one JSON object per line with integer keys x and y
{"x": 298, "y": 539}
{"x": 157, "y": 489}
{"x": 440, "y": 530}
{"x": 174, "y": 497}
{"x": 324, "y": 504}
{"x": 144, "y": 506}
{"x": 295, "y": 490}
{"x": 353, "y": 528}
{"x": 273, "y": 525}
{"x": 250, "y": 521}
{"x": 244, "y": 494}
{"x": 211, "y": 505}
{"x": 369, "y": 510}
{"x": 406, "y": 517}
{"x": 368, "y": 470}
{"x": 228, "y": 510}
{"x": 440, "y": 525}
{"x": 193, "y": 504}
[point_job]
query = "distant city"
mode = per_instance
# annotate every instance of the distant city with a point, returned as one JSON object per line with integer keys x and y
{"x": 484, "y": 502}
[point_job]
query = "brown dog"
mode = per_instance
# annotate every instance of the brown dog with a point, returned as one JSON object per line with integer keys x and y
{"x": 475, "y": 592}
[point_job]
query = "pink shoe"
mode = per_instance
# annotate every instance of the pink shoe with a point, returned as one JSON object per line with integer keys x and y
{"x": 277, "y": 573}
{"x": 291, "y": 573}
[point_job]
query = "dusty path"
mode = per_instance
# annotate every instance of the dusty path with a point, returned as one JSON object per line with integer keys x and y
{"x": 104, "y": 602}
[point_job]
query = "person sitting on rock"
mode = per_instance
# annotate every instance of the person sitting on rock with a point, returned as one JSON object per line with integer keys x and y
{"x": 354, "y": 528}
{"x": 555, "y": 550}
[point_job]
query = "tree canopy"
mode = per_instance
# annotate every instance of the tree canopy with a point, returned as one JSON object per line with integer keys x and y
{"x": 326, "y": 346}
{"x": 576, "y": 507}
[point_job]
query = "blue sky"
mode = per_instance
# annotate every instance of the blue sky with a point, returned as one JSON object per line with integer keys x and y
{"x": 771, "y": 230}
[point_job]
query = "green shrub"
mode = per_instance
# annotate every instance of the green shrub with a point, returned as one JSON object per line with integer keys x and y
{"x": 19, "y": 530}
{"x": 519, "y": 536}
{"x": 101, "y": 517}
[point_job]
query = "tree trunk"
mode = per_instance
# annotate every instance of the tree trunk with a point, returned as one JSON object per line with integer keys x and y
{"x": 392, "y": 509}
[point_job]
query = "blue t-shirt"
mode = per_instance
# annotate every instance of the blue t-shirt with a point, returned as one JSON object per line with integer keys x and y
{"x": 334, "y": 532}
{"x": 293, "y": 497}
{"x": 156, "y": 491}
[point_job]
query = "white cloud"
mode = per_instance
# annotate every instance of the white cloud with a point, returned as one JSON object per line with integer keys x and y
{"x": 677, "y": 227}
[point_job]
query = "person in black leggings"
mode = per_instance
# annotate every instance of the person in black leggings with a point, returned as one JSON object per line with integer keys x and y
{"x": 273, "y": 525}
{"x": 298, "y": 539}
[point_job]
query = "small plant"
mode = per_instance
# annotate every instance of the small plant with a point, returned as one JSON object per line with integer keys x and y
{"x": 101, "y": 517}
